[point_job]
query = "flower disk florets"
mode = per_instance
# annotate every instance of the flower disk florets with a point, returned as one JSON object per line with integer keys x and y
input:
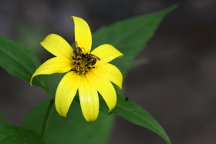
{"x": 83, "y": 62}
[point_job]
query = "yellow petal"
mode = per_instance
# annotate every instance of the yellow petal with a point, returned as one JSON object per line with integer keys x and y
{"x": 66, "y": 92}
{"x": 104, "y": 87}
{"x": 89, "y": 100}
{"x": 58, "y": 46}
{"x": 53, "y": 65}
{"x": 106, "y": 53}
{"x": 111, "y": 72}
{"x": 83, "y": 35}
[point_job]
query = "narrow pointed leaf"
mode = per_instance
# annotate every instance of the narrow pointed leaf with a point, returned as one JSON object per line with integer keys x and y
{"x": 139, "y": 116}
{"x": 130, "y": 37}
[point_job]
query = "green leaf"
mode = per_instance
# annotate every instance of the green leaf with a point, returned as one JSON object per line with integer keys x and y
{"x": 10, "y": 134}
{"x": 136, "y": 115}
{"x": 130, "y": 37}
{"x": 139, "y": 116}
{"x": 73, "y": 129}
{"x": 19, "y": 61}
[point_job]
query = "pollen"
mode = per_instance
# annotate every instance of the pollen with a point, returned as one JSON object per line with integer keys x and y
{"x": 83, "y": 62}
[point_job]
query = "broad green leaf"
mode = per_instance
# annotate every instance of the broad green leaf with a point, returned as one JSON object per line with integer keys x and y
{"x": 130, "y": 37}
{"x": 10, "y": 134}
{"x": 136, "y": 115}
{"x": 19, "y": 61}
{"x": 139, "y": 116}
{"x": 73, "y": 129}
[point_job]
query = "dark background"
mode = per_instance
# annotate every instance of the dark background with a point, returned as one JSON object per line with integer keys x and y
{"x": 177, "y": 84}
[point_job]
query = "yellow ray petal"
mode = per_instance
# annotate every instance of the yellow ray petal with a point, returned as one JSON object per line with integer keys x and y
{"x": 58, "y": 46}
{"x": 66, "y": 92}
{"x": 53, "y": 65}
{"x": 111, "y": 72}
{"x": 89, "y": 100}
{"x": 83, "y": 35}
{"x": 106, "y": 53}
{"x": 104, "y": 87}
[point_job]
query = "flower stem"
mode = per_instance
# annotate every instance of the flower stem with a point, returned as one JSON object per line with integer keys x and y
{"x": 47, "y": 118}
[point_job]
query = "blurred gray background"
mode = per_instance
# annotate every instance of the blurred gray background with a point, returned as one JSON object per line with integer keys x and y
{"x": 177, "y": 84}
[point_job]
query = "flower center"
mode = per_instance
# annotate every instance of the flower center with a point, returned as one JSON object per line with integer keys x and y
{"x": 83, "y": 62}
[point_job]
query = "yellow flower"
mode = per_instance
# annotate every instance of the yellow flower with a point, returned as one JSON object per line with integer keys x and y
{"x": 88, "y": 73}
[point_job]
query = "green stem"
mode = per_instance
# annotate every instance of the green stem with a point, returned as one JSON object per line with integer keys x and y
{"x": 47, "y": 119}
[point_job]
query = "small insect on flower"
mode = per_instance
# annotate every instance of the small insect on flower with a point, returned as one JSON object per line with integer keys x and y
{"x": 77, "y": 50}
{"x": 88, "y": 72}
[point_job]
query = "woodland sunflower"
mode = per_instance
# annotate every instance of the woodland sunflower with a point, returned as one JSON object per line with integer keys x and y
{"x": 87, "y": 72}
